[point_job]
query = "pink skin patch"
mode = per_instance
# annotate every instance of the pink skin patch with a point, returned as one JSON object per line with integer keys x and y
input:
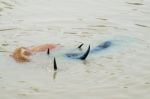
{"x": 44, "y": 47}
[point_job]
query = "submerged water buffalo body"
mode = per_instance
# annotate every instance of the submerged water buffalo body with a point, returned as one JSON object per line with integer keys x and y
{"x": 22, "y": 54}
{"x": 83, "y": 56}
{"x": 101, "y": 47}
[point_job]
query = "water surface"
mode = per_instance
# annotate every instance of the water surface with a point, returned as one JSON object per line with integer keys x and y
{"x": 121, "y": 72}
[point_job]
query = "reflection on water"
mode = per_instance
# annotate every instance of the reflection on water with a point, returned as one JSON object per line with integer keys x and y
{"x": 7, "y": 29}
{"x": 4, "y": 5}
{"x": 54, "y": 75}
{"x": 135, "y": 3}
{"x": 142, "y": 25}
